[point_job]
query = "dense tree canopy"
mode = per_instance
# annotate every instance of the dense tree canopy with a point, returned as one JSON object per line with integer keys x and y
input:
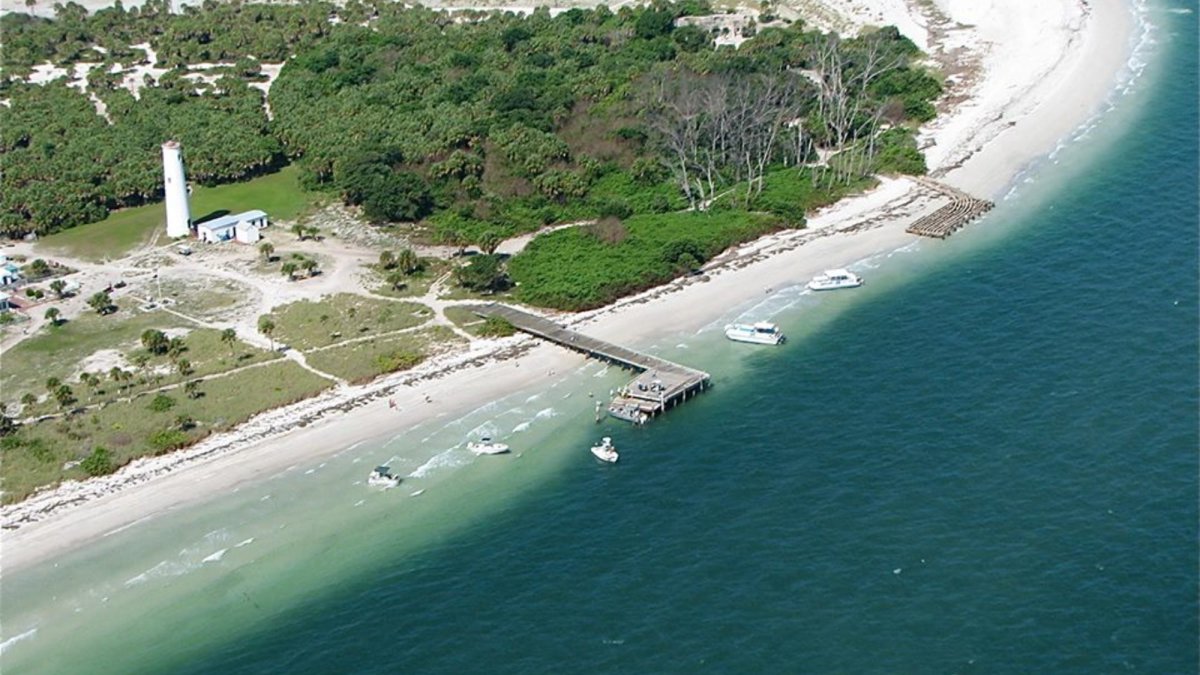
{"x": 484, "y": 127}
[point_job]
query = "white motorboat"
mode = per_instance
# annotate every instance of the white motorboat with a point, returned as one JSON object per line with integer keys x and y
{"x": 486, "y": 446}
{"x": 605, "y": 452}
{"x": 382, "y": 477}
{"x": 835, "y": 279}
{"x": 761, "y": 333}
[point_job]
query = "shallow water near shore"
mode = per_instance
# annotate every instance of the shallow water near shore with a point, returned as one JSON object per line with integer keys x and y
{"x": 985, "y": 459}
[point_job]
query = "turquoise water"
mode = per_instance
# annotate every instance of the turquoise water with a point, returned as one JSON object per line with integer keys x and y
{"x": 983, "y": 461}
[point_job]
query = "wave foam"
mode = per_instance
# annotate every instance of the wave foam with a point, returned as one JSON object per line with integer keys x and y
{"x": 4, "y": 646}
{"x": 444, "y": 460}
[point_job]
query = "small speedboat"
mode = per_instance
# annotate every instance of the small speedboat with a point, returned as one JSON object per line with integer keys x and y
{"x": 486, "y": 446}
{"x": 605, "y": 452}
{"x": 382, "y": 477}
{"x": 761, "y": 333}
{"x": 834, "y": 279}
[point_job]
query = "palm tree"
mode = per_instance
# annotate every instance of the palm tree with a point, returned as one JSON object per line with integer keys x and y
{"x": 407, "y": 261}
{"x": 300, "y": 231}
{"x": 59, "y": 287}
{"x": 176, "y": 347}
{"x": 266, "y": 326}
{"x": 183, "y": 367}
{"x": 488, "y": 243}
{"x": 288, "y": 269}
{"x": 53, "y": 315}
{"x": 191, "y": 389}
{"x": 64, "y": 395}
{"x": 155, "y": 341}
{"x": 310, "y": 267}
{"x": 229, "y": 337}
{"x": 91, "y": 382}
{"x": 101, "y": 302}
{"x": 52, "y": 383}
{"x": 266, "y": 249}
{"x": 387, "y": 260}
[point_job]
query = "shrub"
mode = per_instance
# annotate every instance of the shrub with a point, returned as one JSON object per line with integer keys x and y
{"x": 98, "y": 463}
{"x": 574, "y": 269}
{"x": 166, "y": 440}
{"x": 401, "y": 359}
{"x": 161, "y": 403}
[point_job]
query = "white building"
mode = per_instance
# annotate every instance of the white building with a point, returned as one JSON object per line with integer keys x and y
{"x": 179, "y": 215}
{"x": 242, "y": 227}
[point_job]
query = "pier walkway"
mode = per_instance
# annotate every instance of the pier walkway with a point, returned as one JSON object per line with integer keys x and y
{"x": 962, "y": 209}
{"x": 660, "y": 385}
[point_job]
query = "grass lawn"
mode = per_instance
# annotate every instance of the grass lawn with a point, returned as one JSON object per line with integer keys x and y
{"x": 464, "y": 319}
{"x": 56, "y": 352}
{"x": 279, "y": 194}
{"x": 35, "y": 455}
{"x": 210, "y": 297}
{"x": 307, "y": 324}
{"x": 62, "y": 352}
{"x": 415, "y": 285}
{"x": 364, "y": 361}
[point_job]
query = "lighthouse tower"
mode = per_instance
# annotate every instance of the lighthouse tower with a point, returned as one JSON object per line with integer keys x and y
{"x": 179, "y": 215}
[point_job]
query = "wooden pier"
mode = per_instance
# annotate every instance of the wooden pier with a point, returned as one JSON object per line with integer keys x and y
{"x": 962, "y": 209}
{"x": 659, "y": 386}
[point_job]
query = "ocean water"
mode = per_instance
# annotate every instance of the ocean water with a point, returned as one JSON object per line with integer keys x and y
{"x": 985, "y": 460}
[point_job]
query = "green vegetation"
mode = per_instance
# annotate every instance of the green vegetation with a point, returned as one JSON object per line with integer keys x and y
{"x": 58, "y": 354}
{"x": 34, "y": 455}
{"x": 279, "y": 194}
{"x": 306, "y": 324}
{"x": 485, "y": 128}
{"x": 365, "y": 360}
{"x": 585, "y": 267}
{"x": 495, "y": 326}
{"x": 470, "y": 322}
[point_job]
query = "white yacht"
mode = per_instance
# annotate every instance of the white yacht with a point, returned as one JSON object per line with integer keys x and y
{"x": 486, "y": 446}
{"x": 835, "y": 279}
{"x": 382, "y": 476}
{"x": 762, "y": 333}
{"x": 605, "y": 452}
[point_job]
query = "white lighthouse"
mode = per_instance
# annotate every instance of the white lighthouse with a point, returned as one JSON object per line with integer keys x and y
{"x": 179, "y": 215}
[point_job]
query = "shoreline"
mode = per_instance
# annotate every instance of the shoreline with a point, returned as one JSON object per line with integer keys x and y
{"x": 989, "y": 139}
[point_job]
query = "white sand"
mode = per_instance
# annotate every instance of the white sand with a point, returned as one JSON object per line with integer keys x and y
{"x": 1046, "y": 65}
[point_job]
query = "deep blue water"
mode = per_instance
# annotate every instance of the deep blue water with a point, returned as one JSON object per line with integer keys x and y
{"x": 987, "y": 462}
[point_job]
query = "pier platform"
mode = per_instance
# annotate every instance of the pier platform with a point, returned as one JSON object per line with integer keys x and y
{"x": 962, "y": 209}
{"x": 659, "y": 386}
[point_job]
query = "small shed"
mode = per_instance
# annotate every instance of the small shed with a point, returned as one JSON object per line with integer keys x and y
{"x": 242, "y": 227}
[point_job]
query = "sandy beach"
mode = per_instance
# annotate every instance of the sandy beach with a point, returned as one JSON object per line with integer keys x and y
{"x": 1032, "y": 72}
